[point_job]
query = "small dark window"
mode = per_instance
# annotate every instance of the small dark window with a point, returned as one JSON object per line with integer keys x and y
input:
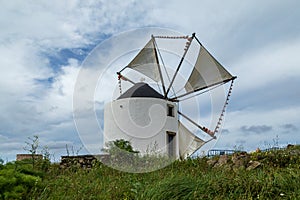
{"x": 170, "y": 110}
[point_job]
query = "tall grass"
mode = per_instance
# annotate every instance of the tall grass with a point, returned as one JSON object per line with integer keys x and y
{"x": 277, "y": 178}
{"x": 217, "y": 184}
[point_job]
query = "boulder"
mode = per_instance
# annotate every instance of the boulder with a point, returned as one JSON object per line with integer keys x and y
{"x": 212, "y": 162}
{"x": 240, "y": 160}
{"x": 253, "y": 165}
{"x": 223, "y": 160}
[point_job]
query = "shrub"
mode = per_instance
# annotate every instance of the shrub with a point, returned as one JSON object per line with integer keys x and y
{"x": 15, "y": 184}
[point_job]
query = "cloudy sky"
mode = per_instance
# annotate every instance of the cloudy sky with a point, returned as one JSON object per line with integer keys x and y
{"x": 44, "y": 43}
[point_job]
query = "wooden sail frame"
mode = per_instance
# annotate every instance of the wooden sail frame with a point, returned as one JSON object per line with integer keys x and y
{"x": 179, "y": 65}
{"x": 159, "y": 68}
{"x": 178, "y": 98}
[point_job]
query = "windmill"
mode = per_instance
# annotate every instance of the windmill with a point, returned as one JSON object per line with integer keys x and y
{"x": 147, "y": 117}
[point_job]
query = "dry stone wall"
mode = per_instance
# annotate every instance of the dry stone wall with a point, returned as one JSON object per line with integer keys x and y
{"x": 82, "y": 161}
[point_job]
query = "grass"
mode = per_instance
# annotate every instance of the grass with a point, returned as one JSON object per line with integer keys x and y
{"x": 277, "y": 178}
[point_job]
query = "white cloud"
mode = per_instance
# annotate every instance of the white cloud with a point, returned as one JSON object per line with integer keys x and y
{"x": 273, "y": 120}
{"x": 269, "y": 65}
{"x": 35, "y": 97}
{"x": 67, "y": 24}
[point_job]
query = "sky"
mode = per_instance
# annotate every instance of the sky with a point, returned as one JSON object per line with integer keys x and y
{"x": 43, "y": 46}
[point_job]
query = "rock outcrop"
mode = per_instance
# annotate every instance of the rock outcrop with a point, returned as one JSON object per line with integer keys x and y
{"x": 241, "y": 160}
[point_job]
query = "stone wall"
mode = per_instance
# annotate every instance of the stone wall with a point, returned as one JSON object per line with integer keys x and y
{"x": 28, "y": 156}
{"x": 82, "y": 161}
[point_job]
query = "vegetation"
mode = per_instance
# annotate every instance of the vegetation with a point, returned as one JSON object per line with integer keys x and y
{"x": 124, "y": 158}
{"x": 119, "y": 145}
{"x": 32, "y": 146}
{"x": 278, "y": 177}
{"x": 19, "y": 179}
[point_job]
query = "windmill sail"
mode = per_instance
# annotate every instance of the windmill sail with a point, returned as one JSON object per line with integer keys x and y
{"x": 146, "y": 62}
{"x": 207, "y": 72}
{"x": 188, "y": 142}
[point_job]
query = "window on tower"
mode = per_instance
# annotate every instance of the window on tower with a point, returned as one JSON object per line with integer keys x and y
{"x": 170, "y": 110}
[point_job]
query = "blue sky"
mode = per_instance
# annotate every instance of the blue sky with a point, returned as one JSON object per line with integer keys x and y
{"x": 43, "y": 44}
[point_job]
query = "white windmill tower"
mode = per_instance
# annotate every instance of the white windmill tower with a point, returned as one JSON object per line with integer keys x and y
{"x": 148, "y": 118}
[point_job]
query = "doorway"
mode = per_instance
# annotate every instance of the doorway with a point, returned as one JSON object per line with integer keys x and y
{"x": 171, "y": 144}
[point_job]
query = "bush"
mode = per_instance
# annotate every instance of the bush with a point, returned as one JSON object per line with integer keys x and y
{"x": 289, "y": 157}
{"x": 15, "y": 184}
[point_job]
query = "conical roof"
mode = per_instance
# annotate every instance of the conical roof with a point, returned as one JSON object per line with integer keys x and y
{"x": 141, "y": 90}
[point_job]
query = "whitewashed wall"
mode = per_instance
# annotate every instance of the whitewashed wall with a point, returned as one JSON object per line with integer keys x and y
{"x": 142, "y": 121}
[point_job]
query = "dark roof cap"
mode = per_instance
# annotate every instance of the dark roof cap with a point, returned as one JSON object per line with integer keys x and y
{"x": 141, "y": 90}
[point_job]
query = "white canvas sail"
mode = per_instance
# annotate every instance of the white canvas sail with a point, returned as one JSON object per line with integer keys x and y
{"x": 188, "y": 142}
{"x": 207, "y": 72}
{"x": 146, "y": 62}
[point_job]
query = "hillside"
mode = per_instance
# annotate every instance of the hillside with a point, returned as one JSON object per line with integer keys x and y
{"x": 277, "y": 176}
